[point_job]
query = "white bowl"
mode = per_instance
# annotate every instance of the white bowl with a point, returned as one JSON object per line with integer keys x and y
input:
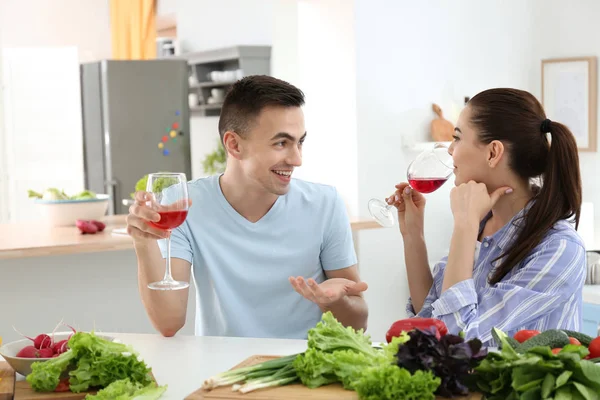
{"x": 66, "y": 212}
{"x": 22, "y": 365}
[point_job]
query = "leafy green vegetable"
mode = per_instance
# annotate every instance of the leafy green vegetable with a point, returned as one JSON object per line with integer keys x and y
{"x": 45, "y": 376}
{"x": 275, "y": 372}
{"x": 537, "y": 373}
{"x": 92, "y": 362}
{"x": 55, "y": 194}
{"x": 86, "y": 194}
{"x": 34, "y": 194}
{"x": 391, "y": 382}
{"x": 329, "y": 335}
{"x": 340, "y": 354}
{"x": 125, "y": 389}
{"x": 216, "y": 161}
{"x": 335, "y": 354}
{"x": 159, "y": 184}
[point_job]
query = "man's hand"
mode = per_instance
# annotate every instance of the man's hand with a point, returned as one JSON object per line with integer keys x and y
{"x": 329, "y": 292}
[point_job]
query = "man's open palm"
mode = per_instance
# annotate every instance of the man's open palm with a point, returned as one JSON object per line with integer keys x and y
{"x": 328, "y": 292}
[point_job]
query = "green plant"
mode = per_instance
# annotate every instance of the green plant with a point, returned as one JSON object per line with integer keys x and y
{"x": 215, "y": 162}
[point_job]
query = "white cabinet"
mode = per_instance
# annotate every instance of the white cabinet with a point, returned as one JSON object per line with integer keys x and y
{"x": 41, "y": 140}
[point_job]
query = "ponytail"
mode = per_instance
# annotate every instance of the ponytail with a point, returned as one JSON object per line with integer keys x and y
{"x": 558, "y": 198}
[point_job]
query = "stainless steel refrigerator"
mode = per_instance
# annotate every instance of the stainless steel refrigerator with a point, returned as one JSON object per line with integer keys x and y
{"x": 135, "y": 121}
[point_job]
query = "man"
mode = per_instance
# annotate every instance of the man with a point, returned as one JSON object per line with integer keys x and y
{"x": 270, "y": 253}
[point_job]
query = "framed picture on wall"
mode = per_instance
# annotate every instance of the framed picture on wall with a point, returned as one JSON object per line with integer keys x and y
{"x": 569, "y": 96}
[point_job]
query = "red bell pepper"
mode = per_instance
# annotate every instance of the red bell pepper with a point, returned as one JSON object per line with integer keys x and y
{"x": 406, "y": 325}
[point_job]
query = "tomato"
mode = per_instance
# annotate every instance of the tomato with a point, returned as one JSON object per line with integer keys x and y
{"x": 63, "y": 386}
{"x": 572, "y": 340}
{"x": 557, "y": 350}
{"x": 594, "y": 348}
{"x": 523, "y": 335}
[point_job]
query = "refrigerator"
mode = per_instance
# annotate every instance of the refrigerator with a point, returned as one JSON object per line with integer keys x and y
{"x": 135, "y": 121}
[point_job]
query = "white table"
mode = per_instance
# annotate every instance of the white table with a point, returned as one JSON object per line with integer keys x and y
{"x": 184, "y": 362}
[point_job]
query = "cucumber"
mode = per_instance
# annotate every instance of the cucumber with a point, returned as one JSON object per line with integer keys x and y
{"x": 582, "y": 337}
{"x": 595, "y": 360}
{"x": 513, "y": 342}
{"x": 554, "y": 338}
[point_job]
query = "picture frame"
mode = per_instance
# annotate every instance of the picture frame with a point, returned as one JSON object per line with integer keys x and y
{"x": 570, "y": 96}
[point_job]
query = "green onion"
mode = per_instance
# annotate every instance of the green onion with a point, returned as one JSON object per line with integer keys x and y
{"x": 264, "y": 373}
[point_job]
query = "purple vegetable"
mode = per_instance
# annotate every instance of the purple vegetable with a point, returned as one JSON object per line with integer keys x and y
{"x": 450, "y": 358}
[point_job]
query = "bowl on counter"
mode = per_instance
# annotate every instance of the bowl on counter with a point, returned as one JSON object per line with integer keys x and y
{"x": 22, "y": 365}
{"x": 66, "y": 212}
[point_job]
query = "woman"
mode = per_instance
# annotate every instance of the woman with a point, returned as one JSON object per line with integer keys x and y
{"x": 515, "y": 260}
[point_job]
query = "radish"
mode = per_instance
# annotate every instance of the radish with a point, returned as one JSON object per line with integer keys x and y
{"x": 41, "y": 341}
{"x": 46, "y": 353}
{"x": 32, "y": 352}
{"x": 99, "y": 225}
{"x": 86, "y": 226}
{"x": 29, "y": 352}
{"x": 60, "y": 347}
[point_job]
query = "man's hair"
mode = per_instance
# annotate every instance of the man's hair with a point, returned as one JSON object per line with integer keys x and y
{"x": 249, "y": 96}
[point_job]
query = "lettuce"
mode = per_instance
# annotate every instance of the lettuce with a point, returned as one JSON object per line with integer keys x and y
{"x": 91, "y": 362}
{"x": 85, "y": 195}
{"x": 340, "y": 354}
{"x": 391, "y": 382}
{"x": 125, "y": 389}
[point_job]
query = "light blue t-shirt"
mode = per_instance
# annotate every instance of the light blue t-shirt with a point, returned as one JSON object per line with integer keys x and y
{"x": 241, "y": 269}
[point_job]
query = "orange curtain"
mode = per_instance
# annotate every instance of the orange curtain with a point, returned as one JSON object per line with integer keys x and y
{"x": 133, "y": 29}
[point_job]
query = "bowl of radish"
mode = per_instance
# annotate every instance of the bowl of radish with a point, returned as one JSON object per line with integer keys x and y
{"x": 20, "y": 354}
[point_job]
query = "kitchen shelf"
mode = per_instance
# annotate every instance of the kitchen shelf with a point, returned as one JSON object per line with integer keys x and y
{"x": 204, "y": 107}
{"x": 252, "y": 60}
{"x": 211, "y": 84}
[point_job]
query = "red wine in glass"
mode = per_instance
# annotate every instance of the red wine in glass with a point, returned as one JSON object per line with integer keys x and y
{"x": 426, "y": 185}
{"x": 427, "y": 173}
{"x": 171, "y": 202}
{"x": 170, "y": 219}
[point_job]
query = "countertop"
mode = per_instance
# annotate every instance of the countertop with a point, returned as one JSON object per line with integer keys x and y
{"x": 36, "y": 240}
{"x": 184, "y": 362}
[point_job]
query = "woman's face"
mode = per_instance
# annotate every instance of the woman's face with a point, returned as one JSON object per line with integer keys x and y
{"x": 471, "y": 157}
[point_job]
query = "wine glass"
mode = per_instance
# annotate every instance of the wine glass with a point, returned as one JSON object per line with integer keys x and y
{"x": 170, "y": 199}
{"x": 427, "y": 173}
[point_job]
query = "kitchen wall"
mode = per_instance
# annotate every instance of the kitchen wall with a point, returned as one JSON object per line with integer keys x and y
{"x": 328, "y": 79}
{"x": 570, "y": 31}
{"x": 209, "y": 24}
{"x": 41, "y": 23}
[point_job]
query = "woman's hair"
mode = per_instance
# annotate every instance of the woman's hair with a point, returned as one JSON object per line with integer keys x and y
{"x": 517, "y": 119}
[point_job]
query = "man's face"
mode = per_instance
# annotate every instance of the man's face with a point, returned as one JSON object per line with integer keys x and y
{"x": 272, "y": 148}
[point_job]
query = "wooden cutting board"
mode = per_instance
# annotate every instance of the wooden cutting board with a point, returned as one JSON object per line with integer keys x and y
{"x": 289, "y": 392}
{"x": 7, "y": 381}
{"x": 23, "y": 391}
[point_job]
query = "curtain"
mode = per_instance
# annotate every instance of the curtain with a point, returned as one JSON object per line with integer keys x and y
{"x": 133, "y": 29}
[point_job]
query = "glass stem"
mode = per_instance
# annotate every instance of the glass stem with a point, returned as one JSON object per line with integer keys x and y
{"x": 168, "y": 277}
